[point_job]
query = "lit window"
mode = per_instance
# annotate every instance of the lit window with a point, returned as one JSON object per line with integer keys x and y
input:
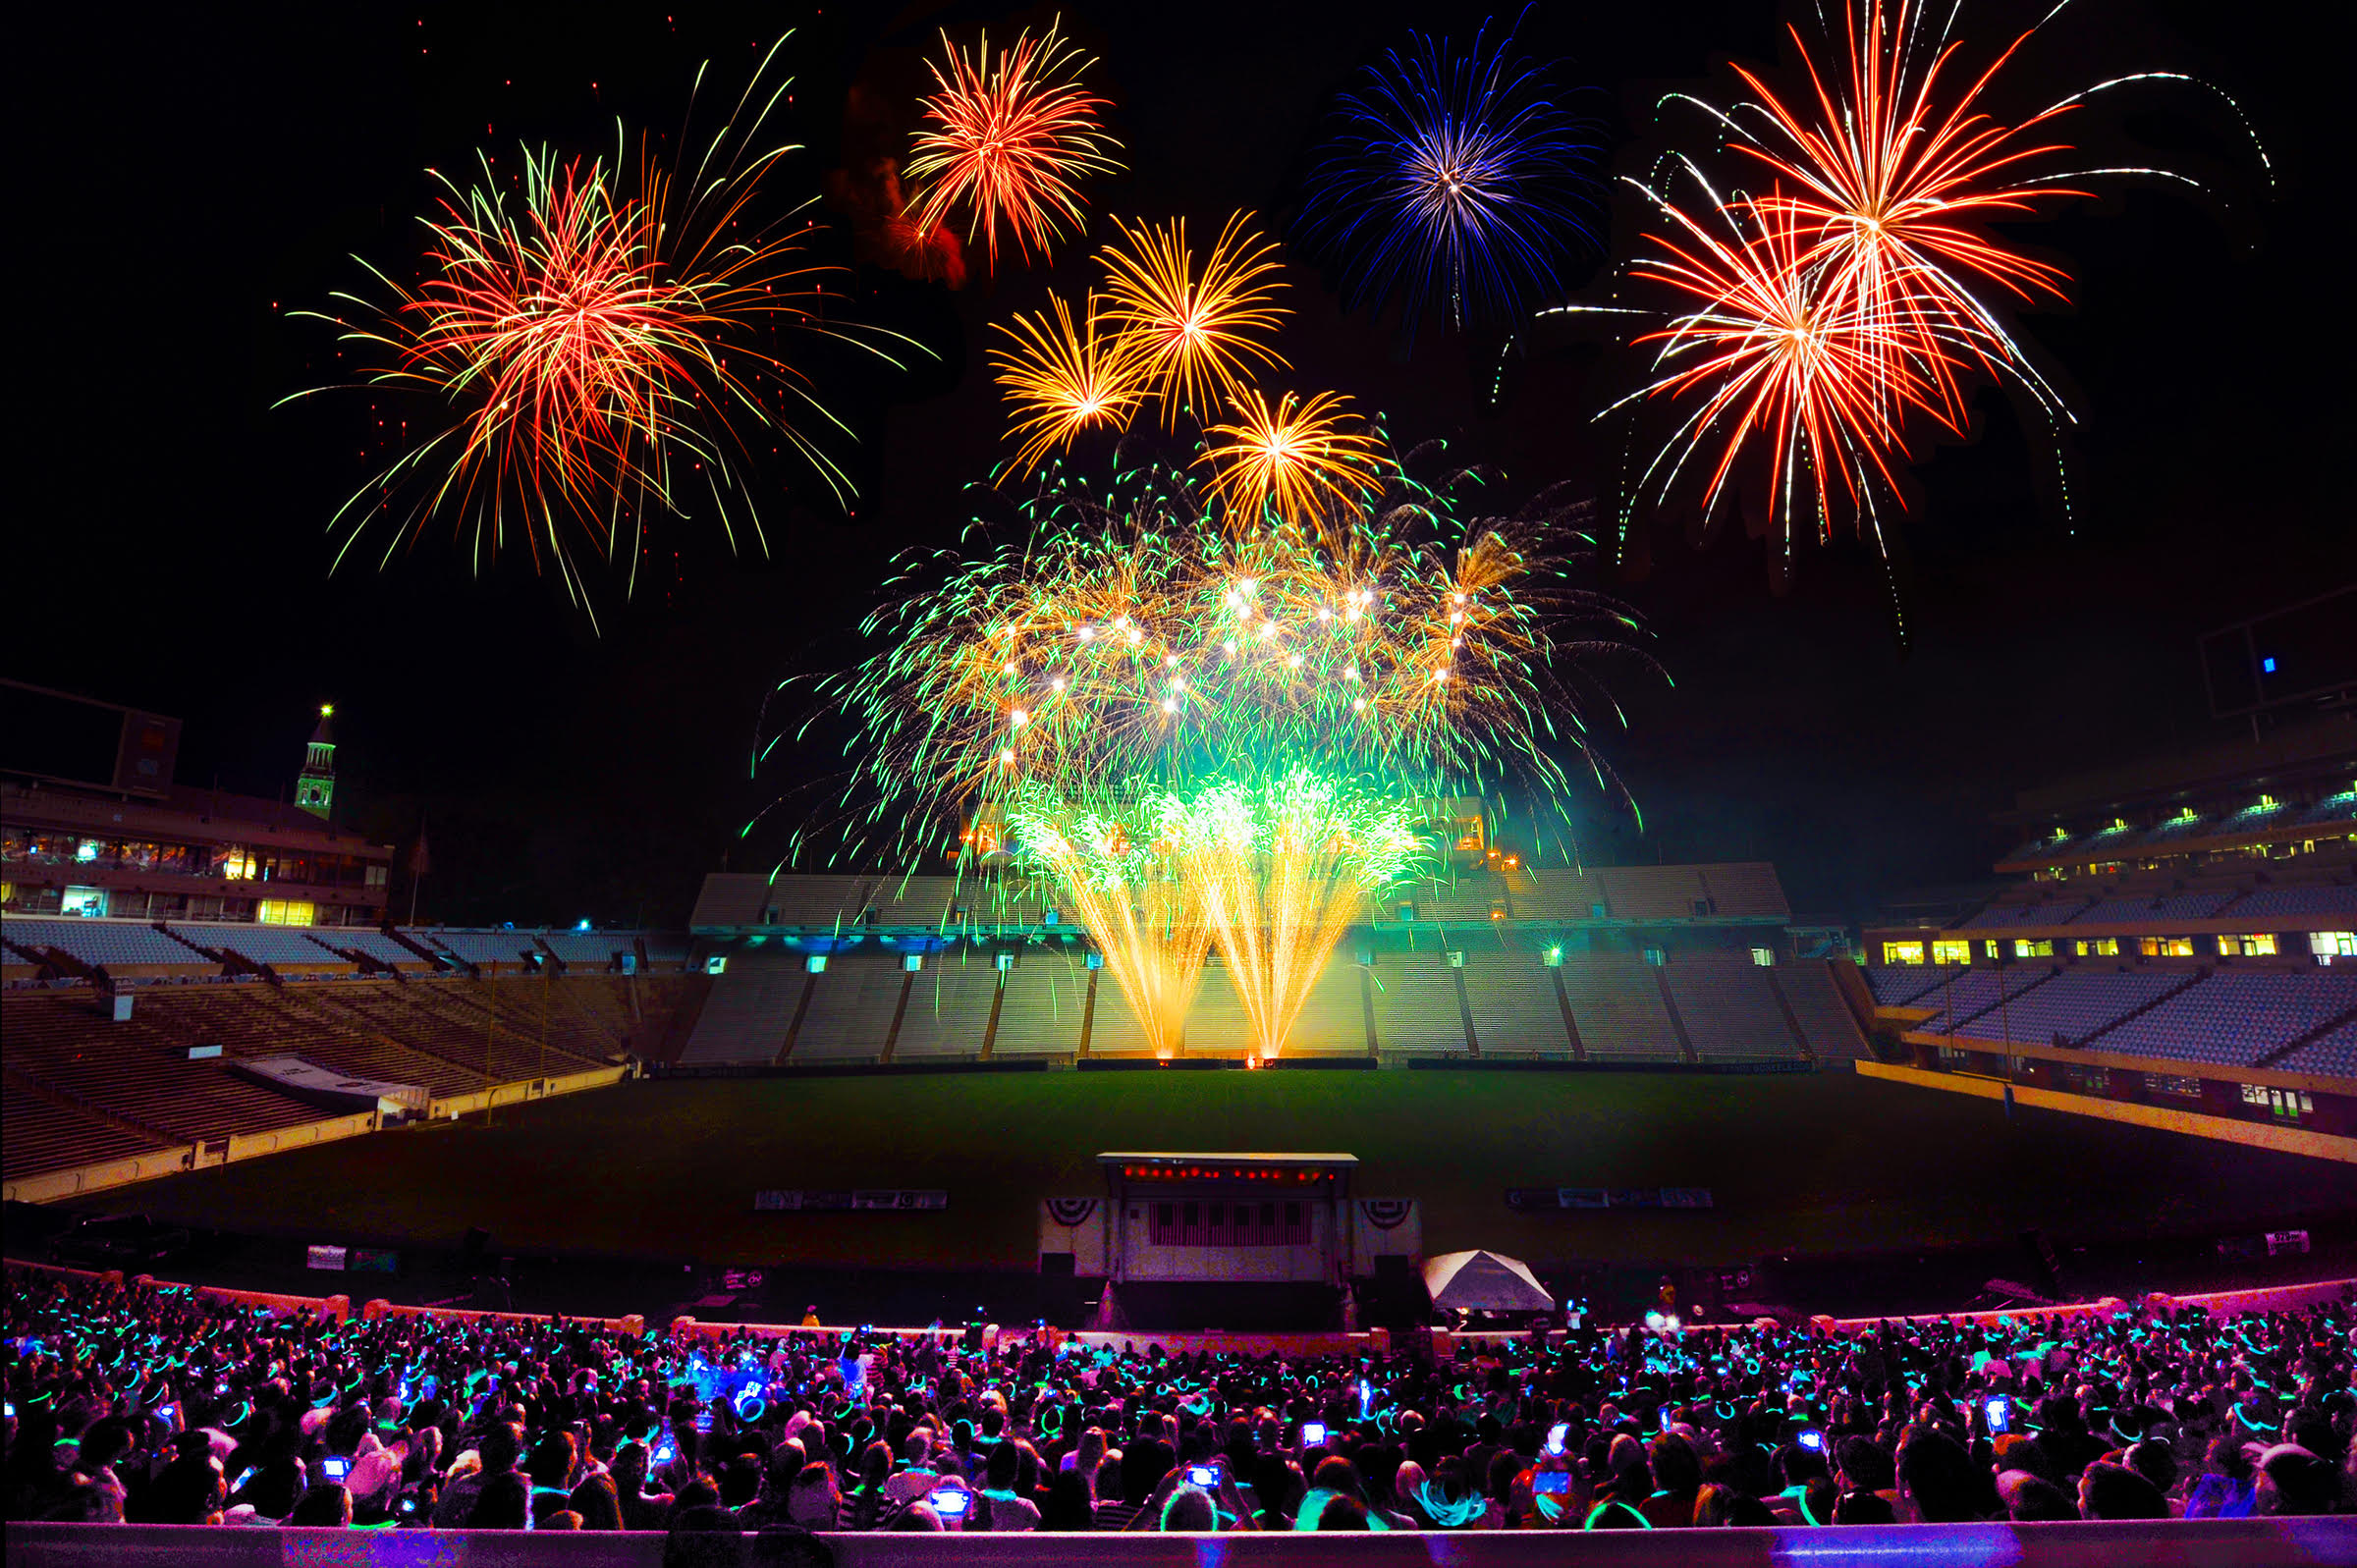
{"x": 237, "y": 863}
{"x": 285, "y": 912}
{"x": 86, "y": 850}
{"x": 1989, "y": 945}
{"x": 2257, "y": 945}
{"x": 1902, "y": 953}
{"x": 90, "y": 901}
{"x": 716, "y": 964}
{"x": 2332, "y": 944}
{"x": 2029, "y": 947}
{"x": 2099, "y": 947}
{"x": 2166, "y": 946}
{"x": 1469, "y": 836}
{"x": 1764, "y": 957}
{"x": 1959, "y": 952}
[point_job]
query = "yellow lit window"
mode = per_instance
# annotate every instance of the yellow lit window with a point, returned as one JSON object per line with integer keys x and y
{"x": 237, "y": 863}
{"x": 1952, "y": 953}
{"x": 1990, "y": 946}
{"x": 1902, "y": 953}
{"x": 2166, "y": 946}
{"x": 2099, "y": 947}
{"x": 1469, "y": 836}
{"x": 2258, "y": 945}
{"x": 2029, "y": 947}
{"x": 285, "y": 912}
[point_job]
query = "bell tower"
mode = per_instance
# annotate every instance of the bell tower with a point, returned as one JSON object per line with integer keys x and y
{"x": 315, "y": 786}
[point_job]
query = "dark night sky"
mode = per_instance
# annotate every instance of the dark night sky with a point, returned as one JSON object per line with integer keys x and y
{"x": 187, "y": 180}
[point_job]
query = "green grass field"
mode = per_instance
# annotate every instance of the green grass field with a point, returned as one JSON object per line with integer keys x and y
{"x": 1800, "y": 1166}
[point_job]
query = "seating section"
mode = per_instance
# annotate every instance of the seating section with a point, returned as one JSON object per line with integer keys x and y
{"x": 2143, "y": 911}
{"x": 1825, "y": 1017}
{"x": 1218, "y": 1025}
{"x": 1415, "y": 1003}
{"x": 504, "y": 947}
{"x": 751, "y": 1003}
{"x": 2009, "y": 914}
{"x": 270, "y": 944}
{"x": 1040, "y": 1015}
{"x": 2333, "y": 1056}
{"x": 1905, "y": 985}
{"x": 445, "y": 1035}
{"x": 44, "y": 1135}
{"x": 949, "y": 1007}
{"x": 2071, "y": 1007}
{"x": 1618, "y": 1006}
{"x": 1332, "y": 1020}
{"x": 1975, "y": 991}
{"x": 2235, "y": 1020}
{"x": 1515, "y": 1011}
{"x": 111, "y": 943}
{"x": 851, "y": 1010}
{"x": 376, "y": 945}
{"x": 1729, "y": 1010}
{"x": 2299, "y": 901}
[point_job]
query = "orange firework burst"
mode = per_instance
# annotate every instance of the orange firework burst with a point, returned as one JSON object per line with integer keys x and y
{"x": 1810, "y": 370}
{"x": 1009, "y": 142}
{"x": 1887, "y": 177}
{"x": 1285, "y": 459}
{"x": 1063, "y": 380}
{"x": 1192, "y": 332}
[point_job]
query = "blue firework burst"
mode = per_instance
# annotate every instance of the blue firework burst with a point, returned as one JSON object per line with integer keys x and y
{"x": 1457, "y": 180}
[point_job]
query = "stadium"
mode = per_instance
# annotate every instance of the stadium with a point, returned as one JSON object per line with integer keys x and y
{"x": 1591, "y": 833}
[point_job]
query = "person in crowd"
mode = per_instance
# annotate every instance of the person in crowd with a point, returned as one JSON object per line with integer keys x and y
{"x": 165, "y": 1405}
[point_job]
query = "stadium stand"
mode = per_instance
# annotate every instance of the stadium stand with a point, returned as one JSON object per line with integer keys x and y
{"x": 1040, "y": 1013}
{"x": 1729, "y": 1010}
{"x": 2167, "y": 907}
{"x": 1970, "y": 991}
{"x": 280, "y": 946}
{"x": 2013, "y": 913}
{"x": 851, "y": 1010}
{"x": 1333, "y": 1017}
{"x": 1905, "y": 985}
{"x": 949, "y": 1007}
{"x": 1618, "y": 1007}
{"x": 1826, "y": 1020}
{"x": 505, "y": 948}
{"x": 2270, "y": 902}
{"x": 2334, "y": 1054}
{"x": 2070, "y": 1008}
{"x": 2235, "y": 1020}
{"x": 1217, "y": 1023}
{"x": 745, "y": 1019}
{"x": 1514, "y": 1008}
{"x": 1415, "y": 1003}
{"x": 115, "y": 943}
{"x": 44, "y": 1133}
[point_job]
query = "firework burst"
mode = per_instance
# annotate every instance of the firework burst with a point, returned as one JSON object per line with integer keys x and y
{"x": 1818, "y": 325}
{"x": 1062, "y": 379}
{"x": 1457, "y": 179}
{"x": 601, "y": 353}
{"x": 1288, "y": 462}
{"x": 1192, "y": 332}
{"x": 1009, "y": 142}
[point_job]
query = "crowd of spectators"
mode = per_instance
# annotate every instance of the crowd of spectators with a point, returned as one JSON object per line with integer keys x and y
{"x": 139, "y": 1404}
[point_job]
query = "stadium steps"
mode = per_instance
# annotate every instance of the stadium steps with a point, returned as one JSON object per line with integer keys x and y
{"x": 900, "y": 1013}
{"x": 1783, "y": 1005}
{"x": 1677, "y": 1025}
{"x": 367, "y": 963}
{"x": 2323, "y": 1030}
{"x": 2087, "y": 1042}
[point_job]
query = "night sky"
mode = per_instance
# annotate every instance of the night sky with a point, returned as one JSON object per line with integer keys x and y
{"x": 189, "y": 180}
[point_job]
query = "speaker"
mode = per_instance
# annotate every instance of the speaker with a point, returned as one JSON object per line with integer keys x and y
{"x": 1398, "y": 1300}
{"x": 1059, "y": 1291}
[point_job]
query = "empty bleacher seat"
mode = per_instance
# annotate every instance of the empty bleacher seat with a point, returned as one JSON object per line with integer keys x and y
{"x": 1516, "y": 1011}
{"x": 1040, "y": 1013}
{"x": 2071, "y": 1007}
{"x": 2233, "y": 1019}
{"x": 1416, "y": 1002}
{"x": 112, "y": 943}
{"x": 1825, "y": 1018}
{"x": 1728, "y": 1009}
{"x": 748, "y": 1009}
{"x": 1617, "y": 1003}
{"x": 2298, "y": 902}
{"x": 949, "y": 1007}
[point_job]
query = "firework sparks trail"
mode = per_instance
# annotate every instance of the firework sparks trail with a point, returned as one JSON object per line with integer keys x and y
{"x": 1193, "y": 332}
{"x": 1009, "y": 142}
{"x": 598, "y": 350}
{"x": 1131, "y": 656}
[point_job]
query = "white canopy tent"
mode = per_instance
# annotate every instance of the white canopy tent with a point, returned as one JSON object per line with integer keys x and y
{"x": 1484, "y": 1281}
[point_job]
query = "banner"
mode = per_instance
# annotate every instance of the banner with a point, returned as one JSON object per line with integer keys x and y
{"x": 796, "y": 1200}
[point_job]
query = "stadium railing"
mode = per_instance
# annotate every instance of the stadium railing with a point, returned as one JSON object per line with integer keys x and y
{"x": 2158, "y": 1544}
